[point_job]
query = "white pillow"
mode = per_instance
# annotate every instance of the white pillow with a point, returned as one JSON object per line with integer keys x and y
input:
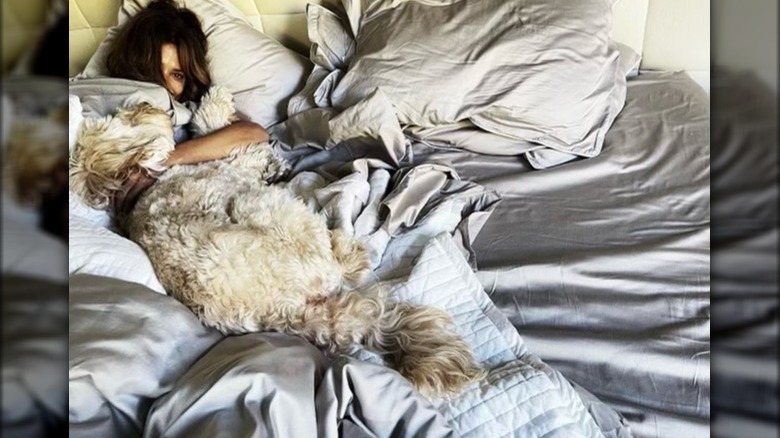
{"x": 93, "y": 248}
{"x": 28, "y": 251}
{"x": 260, "y": 72}
{"x": 75, "y": 117}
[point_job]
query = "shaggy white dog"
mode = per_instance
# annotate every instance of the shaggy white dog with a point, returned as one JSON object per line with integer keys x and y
{"x": 246, "y": 256}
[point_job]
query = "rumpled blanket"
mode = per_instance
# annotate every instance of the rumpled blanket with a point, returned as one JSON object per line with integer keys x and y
{"x": 394, "y": 213}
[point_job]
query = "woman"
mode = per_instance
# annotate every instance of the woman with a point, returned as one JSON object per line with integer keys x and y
{"x": 165, "y": 44}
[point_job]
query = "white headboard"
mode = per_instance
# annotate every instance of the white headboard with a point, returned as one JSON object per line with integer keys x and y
{"x": 670, "y": 34}
{"x": 629, "y": 21}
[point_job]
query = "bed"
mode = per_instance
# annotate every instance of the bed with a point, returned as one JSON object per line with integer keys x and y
{"x": 582, "y": 276}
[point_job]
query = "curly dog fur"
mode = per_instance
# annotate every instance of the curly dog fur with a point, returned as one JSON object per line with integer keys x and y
{"x": 247, "y": 256}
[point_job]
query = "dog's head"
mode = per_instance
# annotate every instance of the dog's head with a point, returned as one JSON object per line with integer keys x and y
{"x": 108, "y": 149}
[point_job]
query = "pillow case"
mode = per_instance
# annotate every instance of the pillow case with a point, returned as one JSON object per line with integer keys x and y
{"x": 259, "y": 71}
{"x": 629, "y": 60}
{"x": 541, "y": 72}
{"x": 93, "y": 248}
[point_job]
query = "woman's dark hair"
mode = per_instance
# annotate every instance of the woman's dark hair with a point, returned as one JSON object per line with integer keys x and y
{"x": 47, "y": 59}
{"x": 136, "y": 52}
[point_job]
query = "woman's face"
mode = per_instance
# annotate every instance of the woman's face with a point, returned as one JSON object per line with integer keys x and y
{"x": 174, "y": 76}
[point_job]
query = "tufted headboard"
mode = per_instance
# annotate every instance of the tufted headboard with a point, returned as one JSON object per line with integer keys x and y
{"x": 22, "y": 23}
{"x": 670, "y": 34}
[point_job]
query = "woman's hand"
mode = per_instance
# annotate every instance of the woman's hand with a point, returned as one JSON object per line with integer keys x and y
{"x": 125, "y": 199}
{"x": 248, "y": 132}
{"x": 218, "y": 144}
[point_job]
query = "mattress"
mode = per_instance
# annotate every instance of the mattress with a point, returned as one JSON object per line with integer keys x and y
{"x": 603, "y": 265}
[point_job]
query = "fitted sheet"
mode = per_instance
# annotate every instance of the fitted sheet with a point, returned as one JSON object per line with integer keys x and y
{"x": 745, "y": 257}
{"x": 603, "y": 264}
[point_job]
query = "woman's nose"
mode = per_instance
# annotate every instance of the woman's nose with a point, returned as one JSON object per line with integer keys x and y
{"x": 173, "y": 89}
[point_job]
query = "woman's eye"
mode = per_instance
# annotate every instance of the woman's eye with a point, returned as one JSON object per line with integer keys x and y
{"x": 178, "y": 76}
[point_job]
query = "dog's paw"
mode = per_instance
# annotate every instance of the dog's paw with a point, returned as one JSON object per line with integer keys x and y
{"x": 351, "y": 256}
{"x": 215, "y": 111}
{"x": 217, "y": 95}
{"x": 261, "y": 159}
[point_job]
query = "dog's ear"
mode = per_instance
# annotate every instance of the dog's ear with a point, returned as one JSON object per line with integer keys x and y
{"x": 96, "y": 189}
{"x": 108, "y": 149}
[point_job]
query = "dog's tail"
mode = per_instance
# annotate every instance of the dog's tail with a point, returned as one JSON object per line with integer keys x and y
{"x": 417, "y": 341}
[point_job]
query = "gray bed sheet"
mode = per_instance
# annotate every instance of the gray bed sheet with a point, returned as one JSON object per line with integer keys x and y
{"x": 744, "y": 257}
{"x": 603, "y": 265}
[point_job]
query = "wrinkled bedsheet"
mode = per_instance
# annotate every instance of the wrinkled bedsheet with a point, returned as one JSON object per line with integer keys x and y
{"x": 745, "y": 255}
{"x": 603, "y": 265}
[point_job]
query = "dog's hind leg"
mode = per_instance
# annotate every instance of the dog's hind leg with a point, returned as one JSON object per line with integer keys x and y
{"x": 339, "y": 321}
{"x": 351, "y": 256}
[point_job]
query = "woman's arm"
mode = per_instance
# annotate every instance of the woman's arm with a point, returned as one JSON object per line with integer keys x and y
{"x": 209, "y": 147}
{"x": 217, "y": 144}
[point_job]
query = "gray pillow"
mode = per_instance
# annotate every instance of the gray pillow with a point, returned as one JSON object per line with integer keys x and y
{"x": 629, "y": 60}
{"x": 544, "y": 72}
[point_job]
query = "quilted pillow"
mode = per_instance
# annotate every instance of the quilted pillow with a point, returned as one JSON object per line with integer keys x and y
{"x": 544, "y": 72}
{"x": 260, "y": 72}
